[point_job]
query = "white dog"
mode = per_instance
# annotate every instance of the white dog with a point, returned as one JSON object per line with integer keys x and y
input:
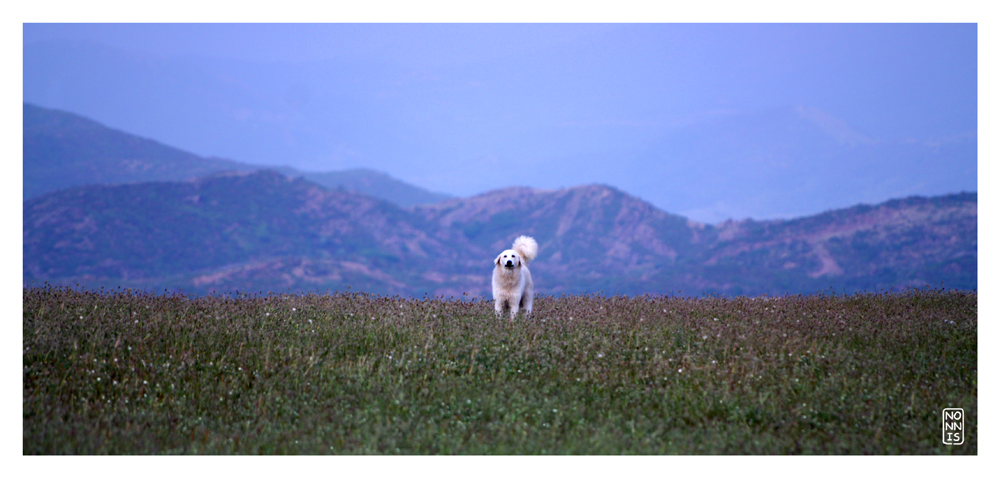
{"x": 512, "y": 286}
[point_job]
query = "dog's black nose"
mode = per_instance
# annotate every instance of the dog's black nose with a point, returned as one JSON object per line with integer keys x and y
{"x": 510, "y": 263}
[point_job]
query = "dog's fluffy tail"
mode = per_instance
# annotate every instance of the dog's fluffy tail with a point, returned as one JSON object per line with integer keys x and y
{"x": 526, "y": 247}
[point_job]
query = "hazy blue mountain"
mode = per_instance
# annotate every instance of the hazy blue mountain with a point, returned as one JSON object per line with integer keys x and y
{"x": 766, "y": 164}
{"x": 782, "y": 163}
{"x": 262, "y": 231}
{"x": 372, "y": 183}
{"x": 273, "y": 114}
{"x": 63, "y": 150}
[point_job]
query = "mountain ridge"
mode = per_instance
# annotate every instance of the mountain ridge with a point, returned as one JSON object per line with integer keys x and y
{"x": 63, "y": 149}
{"x": 260, "y": 230}
{"x": 212, "y": 224}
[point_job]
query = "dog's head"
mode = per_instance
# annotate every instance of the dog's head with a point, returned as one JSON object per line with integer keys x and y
{"x": 508, "y": 260}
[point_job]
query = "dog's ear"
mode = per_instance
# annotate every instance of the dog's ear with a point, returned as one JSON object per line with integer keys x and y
{"x": 497, "y": 262}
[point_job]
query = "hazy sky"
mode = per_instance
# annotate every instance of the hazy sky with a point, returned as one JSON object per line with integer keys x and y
{"x": 463, "y": 108}
{"x": 889, "y": 79}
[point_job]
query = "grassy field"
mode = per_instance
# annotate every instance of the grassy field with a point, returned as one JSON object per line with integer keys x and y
{"x": 133, "y": 373}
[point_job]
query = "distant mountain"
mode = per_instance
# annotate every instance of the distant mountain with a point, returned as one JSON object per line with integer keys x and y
{"x": 63, "y": 150}
{"x": 372, "y": 183}
{"x": 262, "y": 231}
{"x": 784, "y": 162}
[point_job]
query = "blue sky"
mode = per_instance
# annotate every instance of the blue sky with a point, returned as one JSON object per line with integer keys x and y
{"x": 464, "y": 108}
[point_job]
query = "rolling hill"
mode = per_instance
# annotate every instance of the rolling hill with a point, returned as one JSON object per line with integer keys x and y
{"x": 228, "y": 229}
{"x": 262, "y": 231}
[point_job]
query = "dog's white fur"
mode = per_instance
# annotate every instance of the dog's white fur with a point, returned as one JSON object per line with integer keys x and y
{"x": 512, "y": 285}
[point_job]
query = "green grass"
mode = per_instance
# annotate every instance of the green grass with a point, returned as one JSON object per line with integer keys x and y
{"x": 133, "y": 373}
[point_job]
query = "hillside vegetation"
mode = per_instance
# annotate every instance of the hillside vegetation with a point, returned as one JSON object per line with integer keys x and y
{"x": 133, "y": 373}
{"x": 261, "y": 231}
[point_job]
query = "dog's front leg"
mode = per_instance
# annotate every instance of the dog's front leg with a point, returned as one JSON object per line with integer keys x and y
{"x": 515, "y": 306}
{"x": 498, "y": 306}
